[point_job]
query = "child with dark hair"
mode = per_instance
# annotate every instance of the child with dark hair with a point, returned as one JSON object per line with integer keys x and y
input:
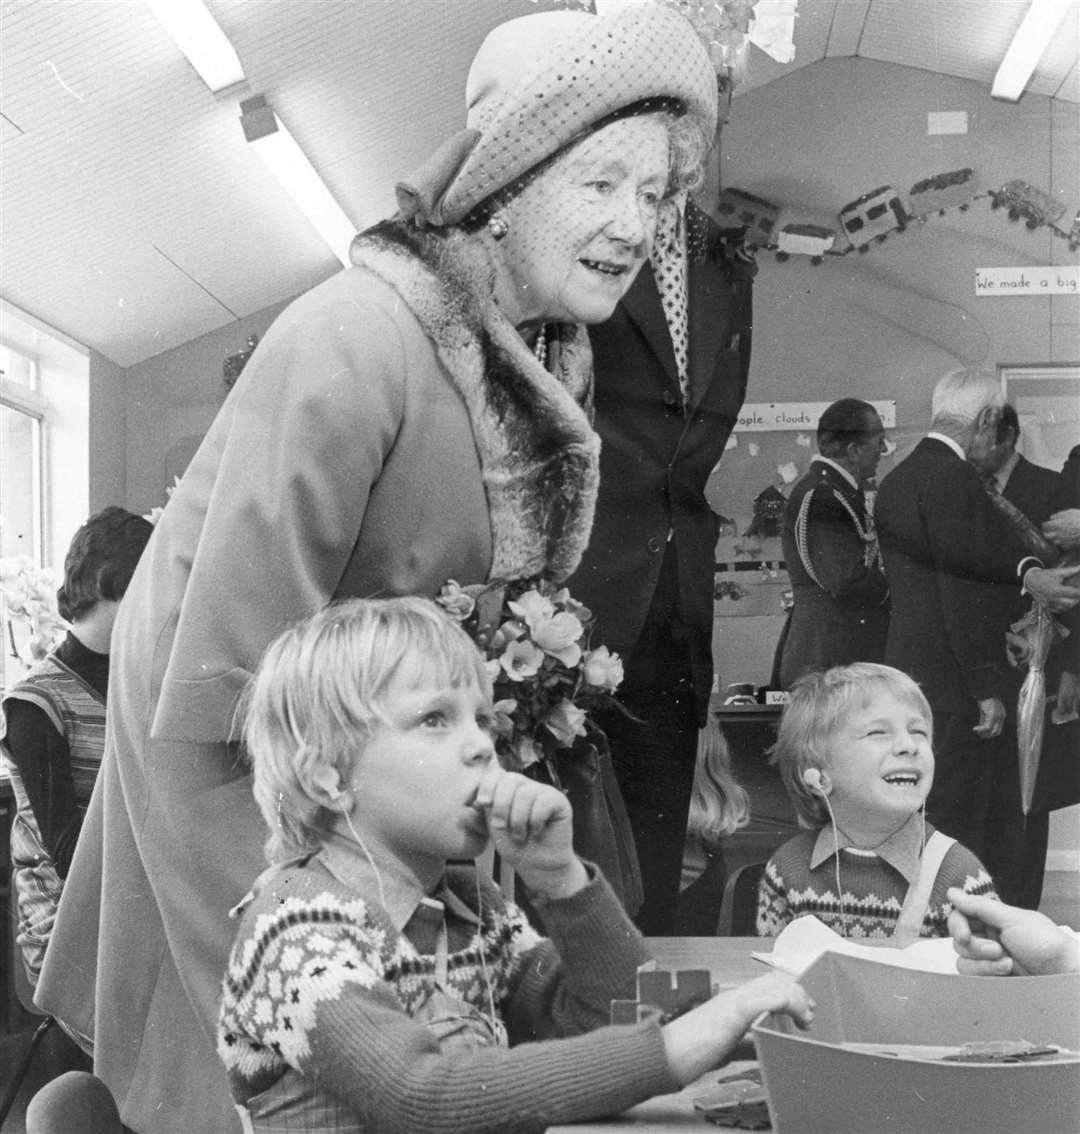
{"x": 52, "y": 724}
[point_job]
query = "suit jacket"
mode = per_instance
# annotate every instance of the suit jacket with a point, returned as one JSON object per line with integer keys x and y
{"x": 1070, "y": 479}
{"x": 841, "y": 608}
{"x": 654, "y": 458}
{"x": 1039, "y": 492}
{"x": 946, "y": 547}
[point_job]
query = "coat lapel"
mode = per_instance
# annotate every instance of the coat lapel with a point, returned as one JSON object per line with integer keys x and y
{"x": 709, "y": 312}
{"x": 642, "y": 305}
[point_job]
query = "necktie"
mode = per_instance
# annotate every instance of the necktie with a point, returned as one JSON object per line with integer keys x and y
{"x": 669, "y": 268}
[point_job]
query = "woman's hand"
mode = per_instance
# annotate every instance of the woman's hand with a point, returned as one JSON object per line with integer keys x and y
{"x": 703, "y": 1037}
{"x": 531, "y": 825}
{"x": 993, "y": 939}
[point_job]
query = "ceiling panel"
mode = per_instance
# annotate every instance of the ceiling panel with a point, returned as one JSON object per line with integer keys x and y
{"x": 135, "y": 217}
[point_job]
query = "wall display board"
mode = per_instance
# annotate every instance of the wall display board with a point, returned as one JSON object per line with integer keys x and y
{"x": 769, "y": 451}
{"x": 1047, "y": 401}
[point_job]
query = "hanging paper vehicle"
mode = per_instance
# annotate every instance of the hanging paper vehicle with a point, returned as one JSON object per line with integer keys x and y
{"x": 735, "y": 208}
{"x": 1024, "y": 200}
{"x": 1073, "y": 235}
{"x": 811, "y": 240}
{"x": 873, "y": 216}
{"x": 943, "y": 191}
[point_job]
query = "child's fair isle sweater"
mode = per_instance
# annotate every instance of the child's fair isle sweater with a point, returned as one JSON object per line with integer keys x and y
{"x": 800, "y": 878}
{"x": 316, "y": 1024}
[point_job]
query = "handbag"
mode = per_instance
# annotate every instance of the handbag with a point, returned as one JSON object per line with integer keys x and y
{"x": 602, "y": 831}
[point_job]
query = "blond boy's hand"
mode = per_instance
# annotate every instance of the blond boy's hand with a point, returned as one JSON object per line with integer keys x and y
{"x": 703, "y": 1037}
{"x": 531, "y": 825}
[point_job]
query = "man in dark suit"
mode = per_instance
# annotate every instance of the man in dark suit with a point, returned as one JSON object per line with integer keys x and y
{"x": 945, "y": 546}
{"x": 1016, "y": 856}
{"x": 667, "y": 396}
{"x": 841, "y": 599}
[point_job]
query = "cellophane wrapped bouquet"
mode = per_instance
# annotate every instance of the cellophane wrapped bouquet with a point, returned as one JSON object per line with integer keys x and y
{"x": 547, "y": 674}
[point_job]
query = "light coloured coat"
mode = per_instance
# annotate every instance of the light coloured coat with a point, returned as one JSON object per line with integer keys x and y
{"x": 391, "y": 432}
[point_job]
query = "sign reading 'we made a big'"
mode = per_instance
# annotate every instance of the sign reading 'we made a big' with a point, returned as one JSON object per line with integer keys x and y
{"x": 1064, "y": 280}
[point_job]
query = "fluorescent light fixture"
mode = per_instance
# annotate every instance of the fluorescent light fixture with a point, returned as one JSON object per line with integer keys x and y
{"x": 288, "y": 163}
{"x": 1032, "y": 38}
{"x": 198, "y": 36}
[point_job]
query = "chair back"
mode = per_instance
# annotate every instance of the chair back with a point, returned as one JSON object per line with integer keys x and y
{"x": 76, "y": 1100}
{"x": 738, "y": 905}
{"x": 21, "y": 986}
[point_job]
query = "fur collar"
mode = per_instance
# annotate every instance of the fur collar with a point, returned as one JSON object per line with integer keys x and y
{"x": 539, "y": 455}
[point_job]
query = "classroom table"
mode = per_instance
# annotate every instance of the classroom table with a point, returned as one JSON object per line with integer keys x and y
{"x": 730, "y": 962}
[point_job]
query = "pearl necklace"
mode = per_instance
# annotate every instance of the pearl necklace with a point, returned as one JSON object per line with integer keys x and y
{"x": 540, "y": 346}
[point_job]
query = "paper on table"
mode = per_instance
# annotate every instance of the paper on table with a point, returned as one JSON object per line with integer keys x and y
{"x": 803, "y": 940}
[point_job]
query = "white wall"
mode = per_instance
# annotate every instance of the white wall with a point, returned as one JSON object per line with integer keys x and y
{"x": 108, "y": 453}
{"x": 170, "y": 401}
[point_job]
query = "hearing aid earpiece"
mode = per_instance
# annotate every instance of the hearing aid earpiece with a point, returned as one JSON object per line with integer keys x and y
{"x": 814, "y": 780}
{"x": 329, "y": 783}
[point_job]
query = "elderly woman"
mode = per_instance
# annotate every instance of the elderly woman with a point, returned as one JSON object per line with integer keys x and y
{"x": 419, "y": 417}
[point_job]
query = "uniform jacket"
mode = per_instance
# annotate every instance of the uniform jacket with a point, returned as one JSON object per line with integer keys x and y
{"x": 655, "y": 459}
{"x": 390, "y": 432}
{"x": 841, "y": 598}
{"x": 945, "y": 546}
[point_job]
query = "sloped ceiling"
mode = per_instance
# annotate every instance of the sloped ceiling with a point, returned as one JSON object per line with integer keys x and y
{"x": 133, "y": 216}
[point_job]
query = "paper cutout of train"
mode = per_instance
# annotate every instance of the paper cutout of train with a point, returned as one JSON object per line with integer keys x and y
{"x": 873, "y": 216}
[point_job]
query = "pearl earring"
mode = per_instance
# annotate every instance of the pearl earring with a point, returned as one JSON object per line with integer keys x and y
{"x": 498, "y": 226}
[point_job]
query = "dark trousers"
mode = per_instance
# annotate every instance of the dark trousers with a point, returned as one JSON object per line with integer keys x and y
{"x": 654, "y": 756}
{"x": 976, "y": 798}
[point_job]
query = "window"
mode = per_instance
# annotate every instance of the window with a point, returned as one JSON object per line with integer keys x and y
{"x": 44, "y": 454}
{"x": 22, "y": 411}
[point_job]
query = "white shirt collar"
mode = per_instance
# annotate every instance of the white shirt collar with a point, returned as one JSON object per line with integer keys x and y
{"x": 901, "y": 850}
{"x": 1006, "y": 470}
{"x": 953, "y": 444}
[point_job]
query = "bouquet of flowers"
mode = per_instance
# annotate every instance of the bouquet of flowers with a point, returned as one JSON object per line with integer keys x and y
{"x": 29, "y": 595}
{"x": 546, "y": 673}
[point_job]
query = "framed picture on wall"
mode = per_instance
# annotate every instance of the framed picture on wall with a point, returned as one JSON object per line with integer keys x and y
{"x": 1047, "y": 401}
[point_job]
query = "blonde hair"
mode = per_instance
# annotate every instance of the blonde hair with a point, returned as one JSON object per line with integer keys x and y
{"x": 719, "y": 804}
{"x": 817, "y": 705}
{"x": 320, "y": 691}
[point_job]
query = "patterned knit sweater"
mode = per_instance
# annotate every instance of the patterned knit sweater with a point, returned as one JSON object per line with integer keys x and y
{"x": 75, "y": 709}
{"x": 316, "y": 1025}
{"x": 873, "y": 890}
